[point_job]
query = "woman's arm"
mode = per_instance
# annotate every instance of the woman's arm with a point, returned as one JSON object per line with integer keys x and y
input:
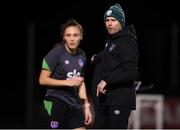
{"x": 86, "y": 104}
{"x": 45, "y": 79}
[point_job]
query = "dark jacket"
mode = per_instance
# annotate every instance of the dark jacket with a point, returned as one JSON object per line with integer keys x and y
{"x": 117, "y": 65}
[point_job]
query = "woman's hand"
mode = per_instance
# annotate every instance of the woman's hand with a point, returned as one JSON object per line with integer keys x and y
{"x": 88, "y": 114}
{"x": 75, "y": 81}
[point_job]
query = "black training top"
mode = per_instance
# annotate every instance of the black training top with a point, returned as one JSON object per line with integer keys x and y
{"x": 64, "y": 66}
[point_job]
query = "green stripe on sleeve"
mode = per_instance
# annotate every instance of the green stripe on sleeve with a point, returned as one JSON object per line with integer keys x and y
{"x": 48, "y": 106}
{"x": 45, "y": 65}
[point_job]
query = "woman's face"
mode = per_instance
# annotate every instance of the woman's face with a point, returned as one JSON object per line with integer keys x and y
{"x": 72, "y": 37}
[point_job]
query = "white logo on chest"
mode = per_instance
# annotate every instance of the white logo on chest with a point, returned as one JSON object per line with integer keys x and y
{"x": 73, "y": 74}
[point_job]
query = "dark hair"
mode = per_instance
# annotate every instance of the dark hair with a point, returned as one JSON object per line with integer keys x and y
{"x": 71, "y": 22}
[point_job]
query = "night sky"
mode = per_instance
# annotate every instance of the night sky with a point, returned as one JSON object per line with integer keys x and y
{"x": 157, "y": 27}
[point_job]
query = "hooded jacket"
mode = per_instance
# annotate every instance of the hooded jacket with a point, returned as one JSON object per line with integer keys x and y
{"x": 117, "y": 65}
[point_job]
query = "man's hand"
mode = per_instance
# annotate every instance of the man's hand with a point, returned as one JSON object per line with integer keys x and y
{"x": 92, "y": 58}
{"x": 101, "y": 87}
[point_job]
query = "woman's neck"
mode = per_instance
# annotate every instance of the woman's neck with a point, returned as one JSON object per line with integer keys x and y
{"x": 71, "y": 51}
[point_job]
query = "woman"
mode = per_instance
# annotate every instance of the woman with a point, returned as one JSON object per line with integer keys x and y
{"x": 62, "y": 73}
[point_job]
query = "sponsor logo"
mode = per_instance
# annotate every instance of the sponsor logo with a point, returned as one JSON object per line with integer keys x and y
{"x": 75, "y": 73}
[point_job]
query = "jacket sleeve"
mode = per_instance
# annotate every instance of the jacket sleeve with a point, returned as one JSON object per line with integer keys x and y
{"x": 127, "y": 70}
{"x": 98, "y": 57}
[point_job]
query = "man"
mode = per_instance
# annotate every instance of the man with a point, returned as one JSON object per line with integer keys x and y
{"x": 115, "y": 72}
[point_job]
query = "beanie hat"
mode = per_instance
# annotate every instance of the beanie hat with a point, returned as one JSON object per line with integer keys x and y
{"x": 117, "y": 12}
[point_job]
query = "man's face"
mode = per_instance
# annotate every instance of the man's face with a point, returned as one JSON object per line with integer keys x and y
{"x": 112, "y": 25}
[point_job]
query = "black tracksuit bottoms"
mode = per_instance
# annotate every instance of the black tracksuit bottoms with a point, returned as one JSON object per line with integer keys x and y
{"x": 111, "y": 117}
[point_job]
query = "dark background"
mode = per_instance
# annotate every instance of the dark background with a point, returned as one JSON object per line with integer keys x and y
{"x": 30, "y": 29}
